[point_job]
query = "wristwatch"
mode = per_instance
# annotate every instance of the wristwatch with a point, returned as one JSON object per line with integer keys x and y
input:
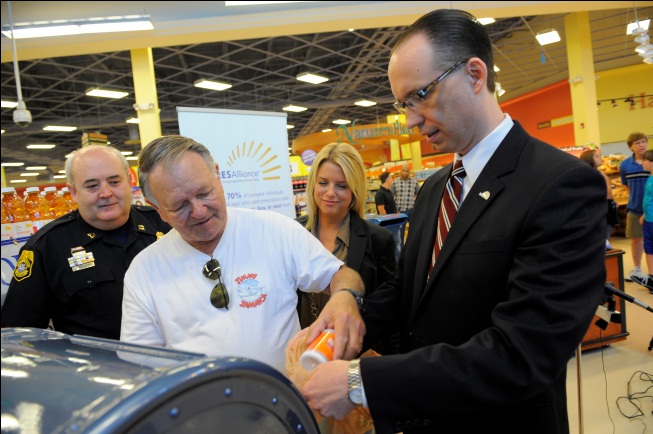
{"x": 354, "y": 382}
{"x": 357, "y": 295}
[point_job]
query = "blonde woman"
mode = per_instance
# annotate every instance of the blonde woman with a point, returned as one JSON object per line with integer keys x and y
{"x": 335, "y": 196}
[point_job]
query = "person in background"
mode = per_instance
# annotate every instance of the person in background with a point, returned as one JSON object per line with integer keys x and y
{"x": 646, "y": 220}
{"x": 71, "y": 271}
{"x": 223, "y": 282}
{"x": 593, "y": 158}
{"x": 487, "y": 325}
{"x": 335, "y": 194}
{"x": 384, "y": 199}
{"x": 634, "y": 177}
{"x": 405, "y": 189}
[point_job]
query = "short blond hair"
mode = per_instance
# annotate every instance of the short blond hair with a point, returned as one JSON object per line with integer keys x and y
{"x": 349, "y": 160}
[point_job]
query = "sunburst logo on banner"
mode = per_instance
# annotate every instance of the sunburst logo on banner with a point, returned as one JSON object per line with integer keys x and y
{"x": 260, "y": 156}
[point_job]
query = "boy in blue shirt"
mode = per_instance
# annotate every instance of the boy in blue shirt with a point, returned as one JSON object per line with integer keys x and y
{"x": 647, "y": 222}
{"x": 634, "y": 177}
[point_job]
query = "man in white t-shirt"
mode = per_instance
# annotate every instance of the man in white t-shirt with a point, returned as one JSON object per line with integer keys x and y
{"x": 223, "y": 282}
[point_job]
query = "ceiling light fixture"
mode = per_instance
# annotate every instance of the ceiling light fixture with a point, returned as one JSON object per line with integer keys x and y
{"x": 58, "y": 128}
{"x": 496, "y": 68}
{"x": 486, "y": 21}
{"x": 549, "y": 37}
{"x": 213, "y": 85}
{"x": 133, "y": 121}
{"x": 16, "y": 181}
{"x": 499, "y": 89}
{"x": 29, "y": 174}
{"x": 289, "y": 127}
{"x": 311, "y": 78}
{"x": 22, "y": 116}
{"x": 647, "y": 51}
{"x": 365, "y": 103}
{"x": 131, "y": 158}
{"x": 637, "y": 27}
{"x": 36, "y": 167}
{"x": 106, "y": 93}
{"x": 9, "y": 104}
{"x": 12, "y": 164}
{"x": 341, "y": 121}
{"x": 59, "y": 176}
{"x": 41, "y": 146}
{"x": 326, "y": 130}
{"x": 77, "y": 27}
{"x": 249, "y": 3}
{"x": 294, "y": 108}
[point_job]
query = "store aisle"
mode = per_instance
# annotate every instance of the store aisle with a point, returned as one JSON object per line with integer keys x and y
{"x": 610, "y": 374}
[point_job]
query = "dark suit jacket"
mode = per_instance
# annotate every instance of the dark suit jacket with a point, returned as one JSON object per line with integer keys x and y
{"x": 487, "y": 339}
{"x": 371, "y": 251}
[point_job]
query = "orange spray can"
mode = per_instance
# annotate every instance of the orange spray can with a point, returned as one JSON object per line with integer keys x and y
{"x": 319, "y": 351}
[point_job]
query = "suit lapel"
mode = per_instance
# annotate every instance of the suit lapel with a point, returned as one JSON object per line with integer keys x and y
{"x": 357, "y": 241}
{"x": 428, "y": 225}
{"x": 482, "y": 195}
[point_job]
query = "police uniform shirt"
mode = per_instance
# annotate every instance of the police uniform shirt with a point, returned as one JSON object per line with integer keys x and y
{"x": 72, "y": 273}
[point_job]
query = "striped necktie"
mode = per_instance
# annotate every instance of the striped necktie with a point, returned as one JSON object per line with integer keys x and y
{"x": 448, "y": 208}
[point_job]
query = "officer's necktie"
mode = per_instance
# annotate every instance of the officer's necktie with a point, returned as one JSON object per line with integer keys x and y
{"x": 448, "y": 208}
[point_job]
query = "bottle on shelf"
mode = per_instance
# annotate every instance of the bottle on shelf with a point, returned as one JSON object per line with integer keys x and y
{"x": 37, "y": 207}
{"x": 56, "y": 203}
{"x": 71, "y": 205}
{"x": 6, "y": 224}
{"x": 21, "y": 225}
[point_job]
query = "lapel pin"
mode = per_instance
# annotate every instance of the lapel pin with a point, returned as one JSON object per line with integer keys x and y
{"x": 485, "y": 195}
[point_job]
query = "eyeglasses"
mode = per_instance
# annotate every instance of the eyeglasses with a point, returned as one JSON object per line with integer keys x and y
{"x": 415, "y": 100}
{"x": 219, "y": 294}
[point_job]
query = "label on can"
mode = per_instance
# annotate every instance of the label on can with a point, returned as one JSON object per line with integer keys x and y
{"x": 319, "y": 351}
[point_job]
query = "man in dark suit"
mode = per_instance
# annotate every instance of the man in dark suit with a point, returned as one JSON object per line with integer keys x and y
{"x": 487, "y": 334}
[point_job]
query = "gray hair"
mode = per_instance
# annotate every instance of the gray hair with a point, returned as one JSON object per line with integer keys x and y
{"x": 165, "y": 151}
{"x": 70, "y": 161}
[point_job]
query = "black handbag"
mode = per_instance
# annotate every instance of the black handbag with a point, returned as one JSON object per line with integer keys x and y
{"x": 613, "y": 213}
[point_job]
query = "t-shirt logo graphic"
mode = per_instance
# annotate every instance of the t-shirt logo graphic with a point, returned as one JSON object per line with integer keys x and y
{"x": 250, "y": 291}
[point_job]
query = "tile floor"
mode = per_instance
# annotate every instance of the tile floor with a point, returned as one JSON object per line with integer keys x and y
{"x": 609, "y": 374}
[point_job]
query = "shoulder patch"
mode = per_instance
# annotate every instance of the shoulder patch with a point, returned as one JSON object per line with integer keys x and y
{"x": 23, "y": 268}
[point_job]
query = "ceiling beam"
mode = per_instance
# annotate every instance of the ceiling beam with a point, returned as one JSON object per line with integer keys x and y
{"x": 192, "y": 22}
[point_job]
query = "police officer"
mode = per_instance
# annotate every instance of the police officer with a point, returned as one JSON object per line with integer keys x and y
{"x": 70, "y": 272}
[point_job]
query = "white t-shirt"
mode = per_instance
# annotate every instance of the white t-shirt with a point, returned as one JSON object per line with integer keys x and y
{"x": 265, "y": 256}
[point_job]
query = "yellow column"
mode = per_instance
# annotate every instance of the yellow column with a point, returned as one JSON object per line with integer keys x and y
{"x": 416, "y": 151}
{"x": 414, "y": 148}
{"x": 582, "y": 79}
{"x": 147, "y": 102}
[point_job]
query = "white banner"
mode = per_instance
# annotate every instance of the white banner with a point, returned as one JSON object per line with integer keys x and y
{"x": 251, "y": 150}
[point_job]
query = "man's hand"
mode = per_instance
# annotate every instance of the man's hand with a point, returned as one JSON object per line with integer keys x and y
{"x": 326, "y": 390}
{"x": 342, "y": 315}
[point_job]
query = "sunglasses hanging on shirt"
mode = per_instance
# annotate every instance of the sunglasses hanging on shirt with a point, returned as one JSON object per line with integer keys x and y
{"x": 219, "y": 294}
